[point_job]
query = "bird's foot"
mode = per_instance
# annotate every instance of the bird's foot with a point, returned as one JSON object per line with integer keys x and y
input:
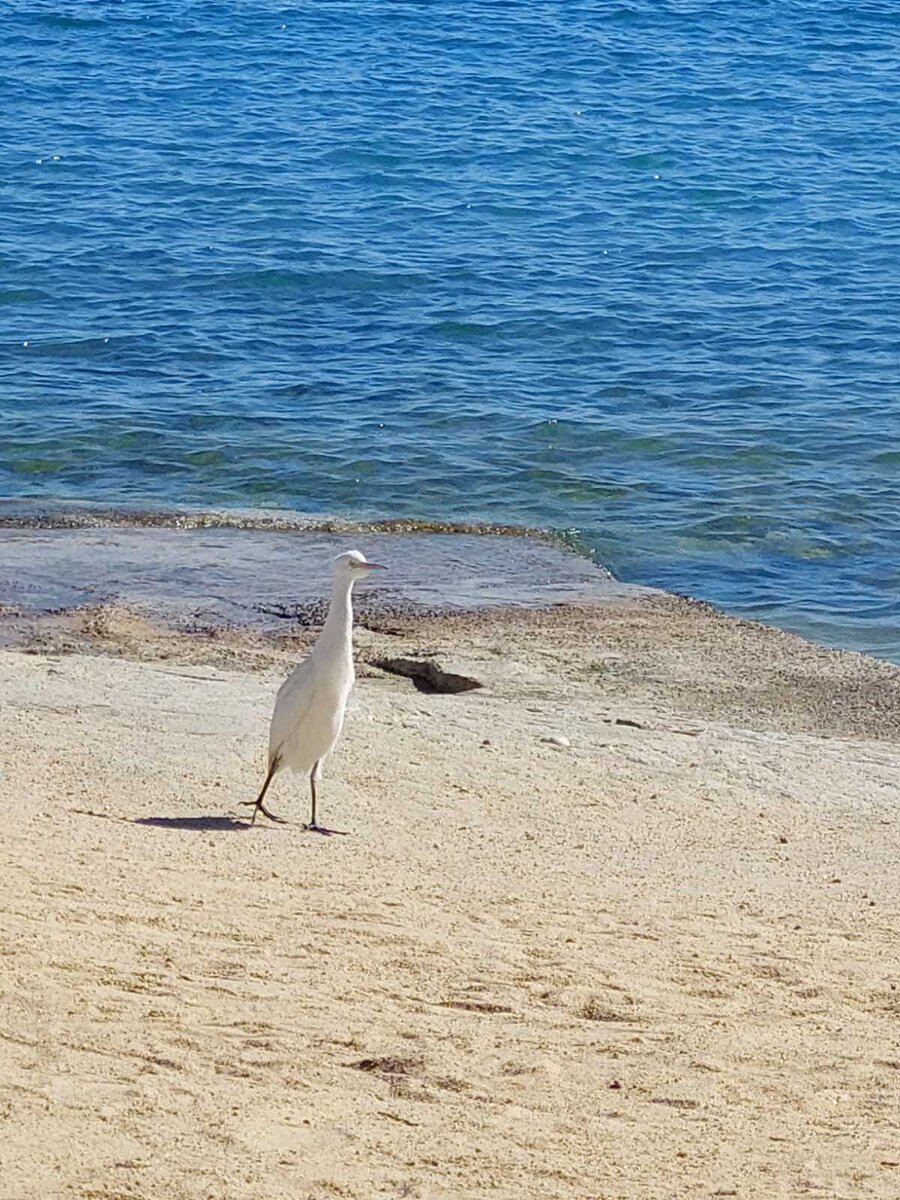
{"x": 259, "y": 807}
{"x": 312, "y": 827}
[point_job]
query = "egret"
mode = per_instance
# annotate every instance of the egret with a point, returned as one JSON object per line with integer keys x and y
{"x": 311, "y": 703}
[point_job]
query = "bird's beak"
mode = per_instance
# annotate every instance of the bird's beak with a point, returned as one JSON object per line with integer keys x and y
{"x": 370, "y": 566}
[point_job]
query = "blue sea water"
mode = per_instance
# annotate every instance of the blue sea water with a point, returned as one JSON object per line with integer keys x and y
{"x": 628, "y": 269}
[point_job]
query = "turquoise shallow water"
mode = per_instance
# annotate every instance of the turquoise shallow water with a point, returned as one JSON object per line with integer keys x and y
{"x": 627, "y": 269}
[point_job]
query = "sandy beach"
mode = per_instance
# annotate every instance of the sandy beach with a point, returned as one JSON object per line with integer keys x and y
{"x": 659, "y": 961}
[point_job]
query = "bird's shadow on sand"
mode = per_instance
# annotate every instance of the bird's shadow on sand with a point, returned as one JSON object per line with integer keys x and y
{"x": 204, "y": 824}
{"x": 210, "y": 824}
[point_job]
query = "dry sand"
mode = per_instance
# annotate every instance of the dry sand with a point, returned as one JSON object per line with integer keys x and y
{"x": 659, "y": 962}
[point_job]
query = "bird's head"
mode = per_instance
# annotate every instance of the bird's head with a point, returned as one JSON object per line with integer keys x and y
{"x": 353, "y": 565}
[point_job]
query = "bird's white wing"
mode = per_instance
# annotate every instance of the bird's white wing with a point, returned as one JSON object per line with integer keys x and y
{"x": 292, "y": 705}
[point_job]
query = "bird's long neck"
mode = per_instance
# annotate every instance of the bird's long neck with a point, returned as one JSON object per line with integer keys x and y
{"x": 338, "y": 628}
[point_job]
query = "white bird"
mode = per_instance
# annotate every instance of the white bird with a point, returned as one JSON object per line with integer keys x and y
{"x": 311, "y": 703}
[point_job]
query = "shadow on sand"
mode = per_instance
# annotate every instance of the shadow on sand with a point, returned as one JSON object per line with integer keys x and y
{"x": 200, "y": 824}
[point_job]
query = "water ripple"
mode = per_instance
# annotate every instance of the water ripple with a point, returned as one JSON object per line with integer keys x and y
{"x": 626, "y": 268}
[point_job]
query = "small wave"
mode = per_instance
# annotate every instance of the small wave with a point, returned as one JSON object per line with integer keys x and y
{"x": 465, "y": 329}
{"x": 18, "y": 514}
{"x": 57, "y": 21}
{"x": 21, "y": 295}
{"x": 71, "y": 348}
{"x": 271, "y": 279}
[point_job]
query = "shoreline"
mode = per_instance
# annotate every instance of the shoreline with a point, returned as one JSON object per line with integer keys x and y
{"x": 210, "y": 577}
{"x": 518, "y": 565}
{"x": 89, "y": 514}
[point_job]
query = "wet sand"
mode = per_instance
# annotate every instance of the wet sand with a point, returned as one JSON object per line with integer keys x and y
{"x": 658, "y": 961}
{"x": 199, "y": 575}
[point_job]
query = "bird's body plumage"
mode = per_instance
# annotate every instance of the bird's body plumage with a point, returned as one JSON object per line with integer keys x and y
{"x": 312, "y": 702}
{"x": 310, "y": 707}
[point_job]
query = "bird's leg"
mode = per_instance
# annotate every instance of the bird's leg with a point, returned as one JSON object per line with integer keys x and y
{"x": 258, "y": 806}
{"x": 314, "y": 826}
{"x": 312, "y": 786}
